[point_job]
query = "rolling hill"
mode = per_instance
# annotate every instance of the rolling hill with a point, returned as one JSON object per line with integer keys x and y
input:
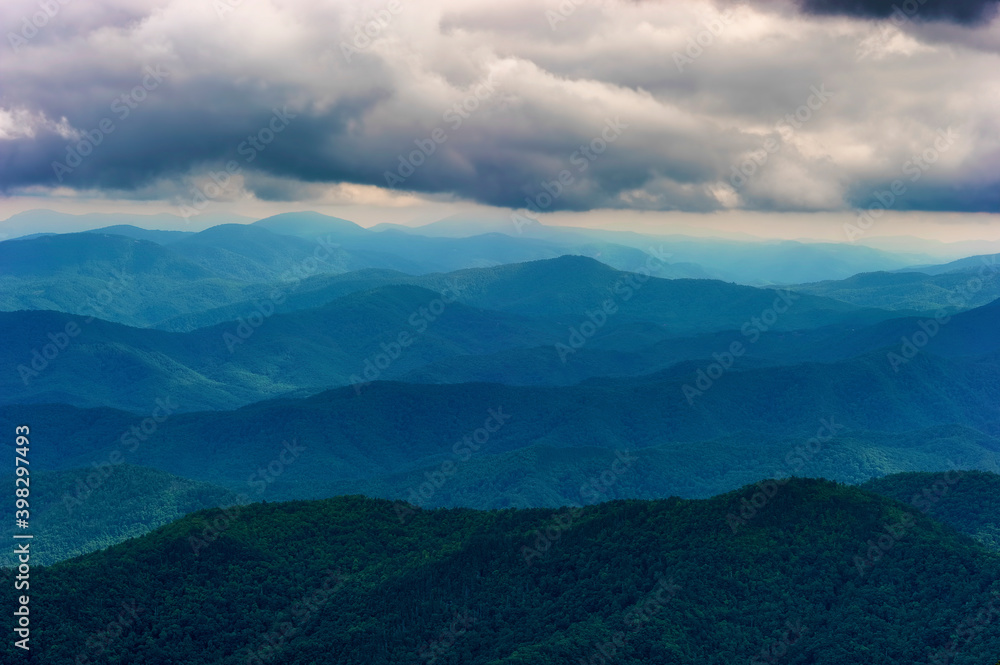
{"x": 740, "y": 257}
{"x": 966, "y": 264}
{"x": 967, "y": 500}
{"x": 567, "y": 287}
{"x": 567, "y": 304}
{"x": 130, "y": 231}
{"x": 346, "y": 580}
{"x": 952, "y": 291}
{"x": 82, "y": 510}
{"x": 439, "y": 253}
{"x": 549, "y": 477}
{"x": 36, "y": 221}
{"x": 253, "y": 358}
{"x": 139, "y": 282}
{"x": 394, "y": 428}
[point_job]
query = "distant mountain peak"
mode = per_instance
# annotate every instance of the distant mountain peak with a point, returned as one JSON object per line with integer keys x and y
{"x": 309, "y": 224}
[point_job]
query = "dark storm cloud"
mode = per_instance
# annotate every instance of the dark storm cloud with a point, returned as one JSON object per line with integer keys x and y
{"x": 958, "y": 11}
{"x": 164, "y": 136}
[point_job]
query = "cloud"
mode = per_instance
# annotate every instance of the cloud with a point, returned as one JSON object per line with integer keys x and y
{"x": 558, "y": 107}
{"x": 957, "y": 11}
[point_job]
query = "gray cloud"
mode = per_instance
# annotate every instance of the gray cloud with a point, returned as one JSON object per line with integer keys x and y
{"x": 534, "y": 98}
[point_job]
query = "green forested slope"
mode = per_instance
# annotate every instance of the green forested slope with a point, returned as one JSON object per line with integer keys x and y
{"x": 81, "y": 510}
{"x": 349, "y": 580}
{"x": 967, "y": 500}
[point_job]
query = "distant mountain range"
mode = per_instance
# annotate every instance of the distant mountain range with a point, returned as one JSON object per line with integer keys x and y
{"x": 393, "y": 428}
{"x": 227, "y": 264}
{"x": 552, "y": 322}
{"x": 463, "y": 242}
{"x": 526, "y": 431}
{"x": 570, "y": 305}
{"x": 33, "y": 222}
{"x": 968, "y": 285}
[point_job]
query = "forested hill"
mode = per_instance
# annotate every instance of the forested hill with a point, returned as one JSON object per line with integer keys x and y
{"x": 967, "y": 500}
{"x": 819, "y": 573}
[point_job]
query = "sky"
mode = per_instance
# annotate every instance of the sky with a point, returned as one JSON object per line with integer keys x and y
{"x": 776, "y": 118}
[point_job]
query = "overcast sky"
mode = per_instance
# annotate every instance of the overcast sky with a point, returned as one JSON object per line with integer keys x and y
{"x": 399, "y": 109}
